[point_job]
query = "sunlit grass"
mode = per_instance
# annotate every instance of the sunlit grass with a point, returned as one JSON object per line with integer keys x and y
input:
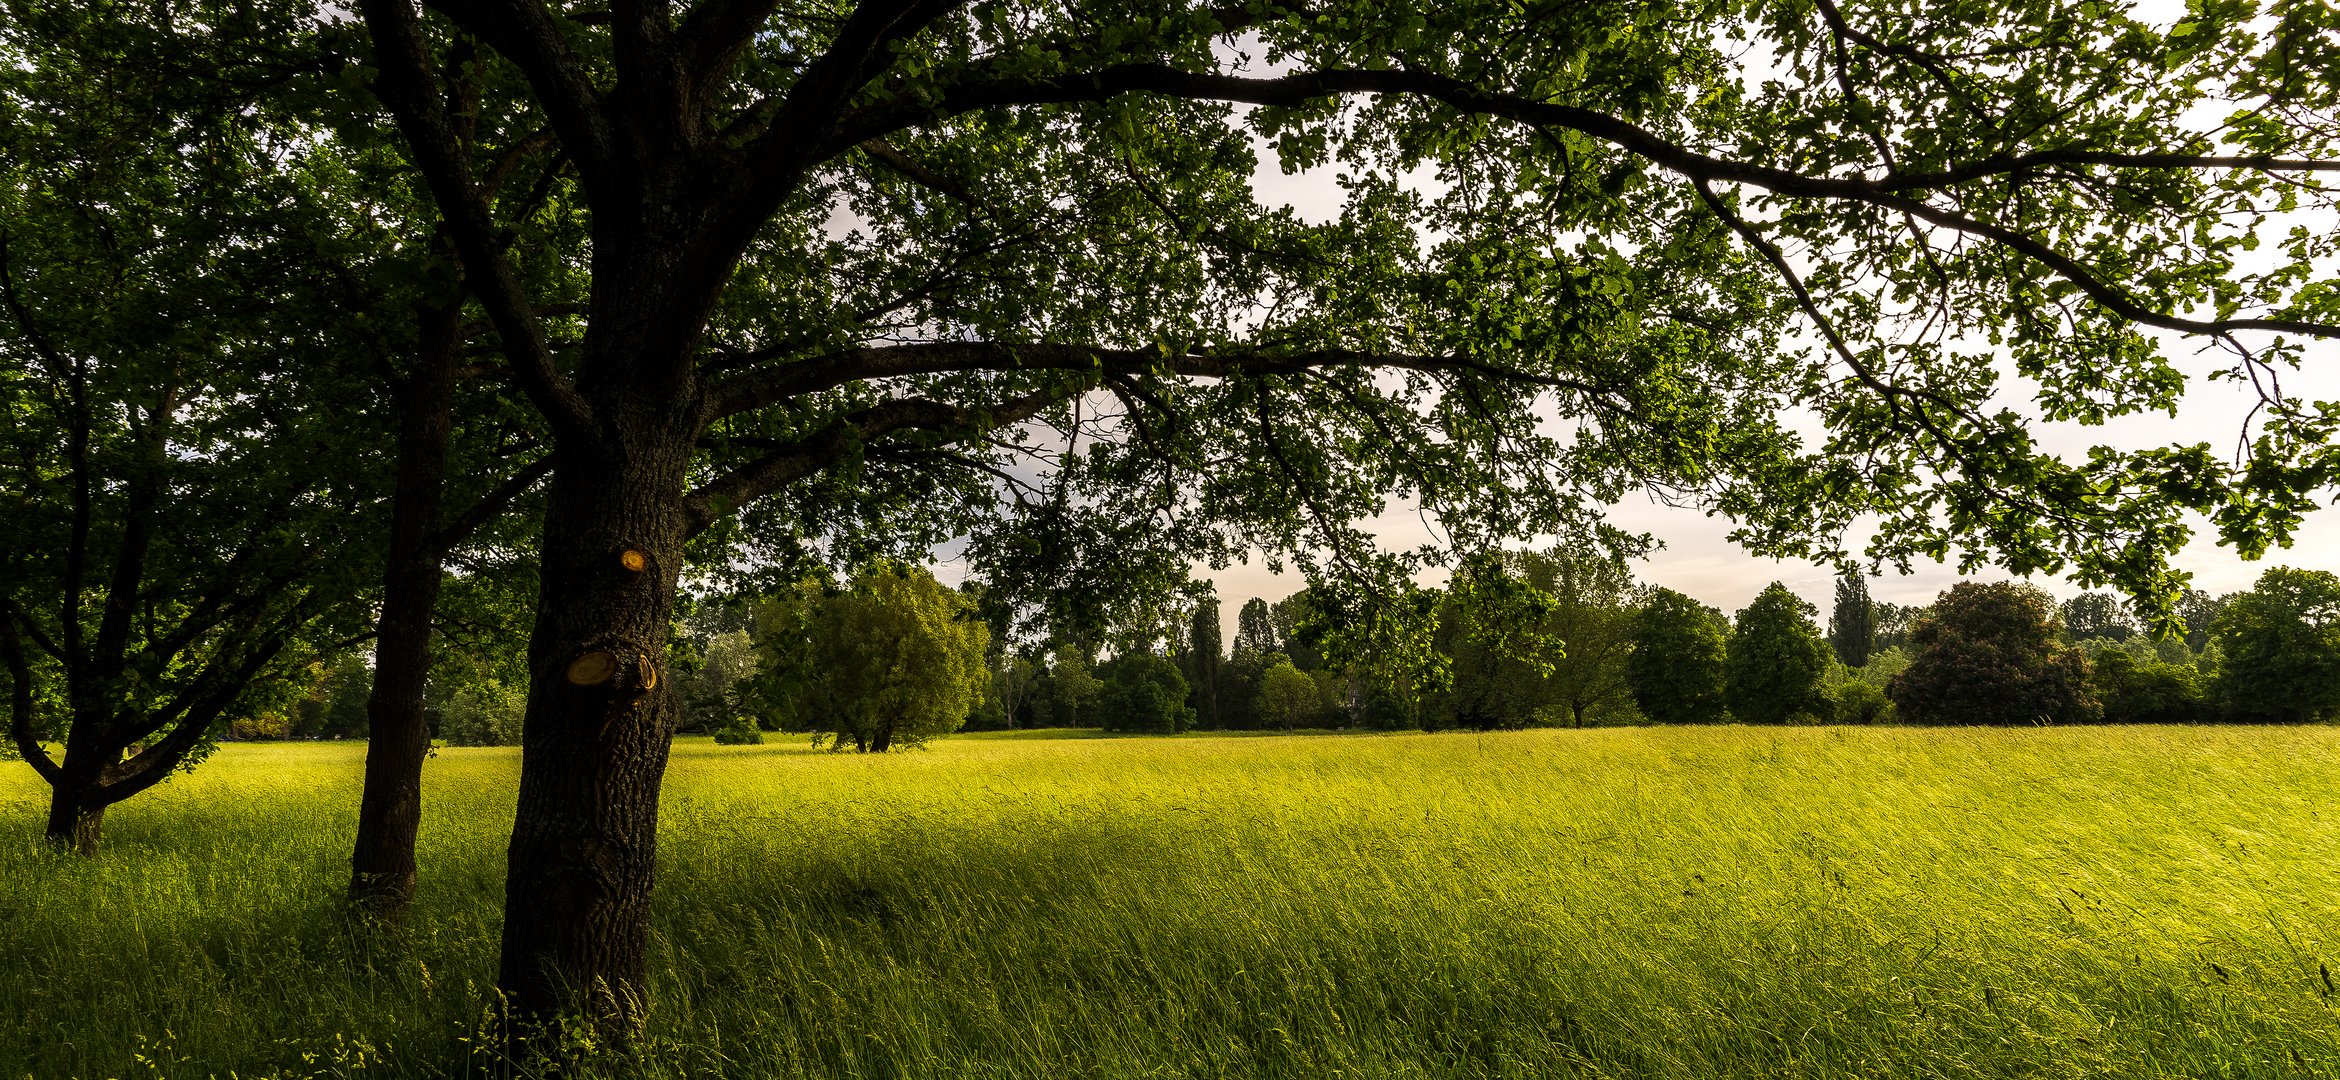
{"x": 1639, "y": 902}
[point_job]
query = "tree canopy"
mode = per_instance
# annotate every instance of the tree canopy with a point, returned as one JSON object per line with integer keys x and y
{"x": 789, "y": 286}
{"x": 1775, "y": 660}
{"x": 1990, "y": 654}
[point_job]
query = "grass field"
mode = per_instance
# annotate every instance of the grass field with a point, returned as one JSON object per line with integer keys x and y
{"x": 1625, "y": 903}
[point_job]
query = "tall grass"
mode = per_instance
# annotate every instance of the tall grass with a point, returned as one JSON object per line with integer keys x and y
{"x": 1685, "y": 903}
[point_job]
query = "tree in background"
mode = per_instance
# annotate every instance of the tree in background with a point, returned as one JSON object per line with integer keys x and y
{"x": 1676, "y": 669}
{"x": 1590, "y": 628}
{"x": 715, "y": 695}
{"x": 2281, "y": 649}
{"x": 1205, "y": 654}
{"x": 348, "y": 682}
{"x": 1852, "y": 623}
{"x": 1067, "y": 694}
{"x": 1893, "y": 623}
{"x": 2198, "y": 610}
{"x": 1294, "y": 618}
{"x": 1255, "y": 628}
{"x": 1775, "y": 660}
{"x": 1288, "y": 698}
{"x": 2093, "y": 616}
{"x": 895, "y": 658}
{"x": 1143, "y": 692}
{"x": 1007, "y": 699}
{"x": 1992, "y": 654}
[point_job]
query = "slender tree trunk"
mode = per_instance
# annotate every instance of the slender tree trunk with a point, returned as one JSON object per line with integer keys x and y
{"x": 884, "y": 740}
{"x": 382, "y": 866}
{"x": 595, "y": 741}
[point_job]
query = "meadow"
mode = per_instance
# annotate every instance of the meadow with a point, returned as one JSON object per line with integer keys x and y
{"x": 1694, "y": 903}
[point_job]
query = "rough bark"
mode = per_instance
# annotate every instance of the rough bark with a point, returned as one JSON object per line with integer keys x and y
{"x": 382, "y": 863}
{"x": 76, "y": 818}
{"x": 597, "y": 731}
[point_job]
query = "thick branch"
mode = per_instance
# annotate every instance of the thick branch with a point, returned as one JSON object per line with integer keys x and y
{"x": 749, "y": 392}
{"x": 1296, "y": 90}
{"x": 493, "y": 504}
{"x": 525, "y": 33}
{"x": 405, "y": 85}
{"x": 834, "y": 442}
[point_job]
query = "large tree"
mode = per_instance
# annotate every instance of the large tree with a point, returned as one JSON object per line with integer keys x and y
{"x": 1775, "y": 659}
{"x": 1992, "y": 654}
{"x": 180, "y": 384}
{"x": 847, "y": 264}
{"x": 2281, "y": 642}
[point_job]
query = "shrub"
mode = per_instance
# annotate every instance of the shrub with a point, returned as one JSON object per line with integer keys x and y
{"x": 739, "y": 733}
{"x": 1858, "y": 701}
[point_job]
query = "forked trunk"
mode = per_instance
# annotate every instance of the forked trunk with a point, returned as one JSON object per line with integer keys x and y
{"x": 594, "y": 744}
{"x": 398, "y": 738}
{"x": 77, "y": 802}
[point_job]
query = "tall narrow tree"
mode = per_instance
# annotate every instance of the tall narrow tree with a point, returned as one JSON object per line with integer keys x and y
{"x": 1204, "y": 656}
{"x": 1852, "y": 622}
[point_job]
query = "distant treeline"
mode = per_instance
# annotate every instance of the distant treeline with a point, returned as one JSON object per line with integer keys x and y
{"x": 1528, "y": 639}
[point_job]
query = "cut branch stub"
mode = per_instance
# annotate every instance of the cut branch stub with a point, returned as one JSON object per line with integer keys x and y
{"x": 634, "y": 561}
{"x": 593, "y": 668}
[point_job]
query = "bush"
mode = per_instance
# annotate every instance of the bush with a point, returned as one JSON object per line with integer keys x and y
{"x": 739, "y": 733}
{"x": 2148, "y": 691}
{"x": 1858, "y": 701}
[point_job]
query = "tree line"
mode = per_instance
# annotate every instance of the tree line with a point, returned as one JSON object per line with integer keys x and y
{"x": 1536, "y": 639}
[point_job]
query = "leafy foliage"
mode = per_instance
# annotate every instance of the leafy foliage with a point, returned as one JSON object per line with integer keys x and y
{"x": 2280, "y": 644}
{"x": 1990, "y": 654}
{"x": 1677, "y": 667}
{"x": 1775, "y": 661}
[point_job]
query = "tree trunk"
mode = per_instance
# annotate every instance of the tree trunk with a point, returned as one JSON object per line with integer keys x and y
{"x": 884, "y": 739}
{"x": 595, "y": 740}
{"x": 398, "y": 738}
{"x": 76, "y": 816}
